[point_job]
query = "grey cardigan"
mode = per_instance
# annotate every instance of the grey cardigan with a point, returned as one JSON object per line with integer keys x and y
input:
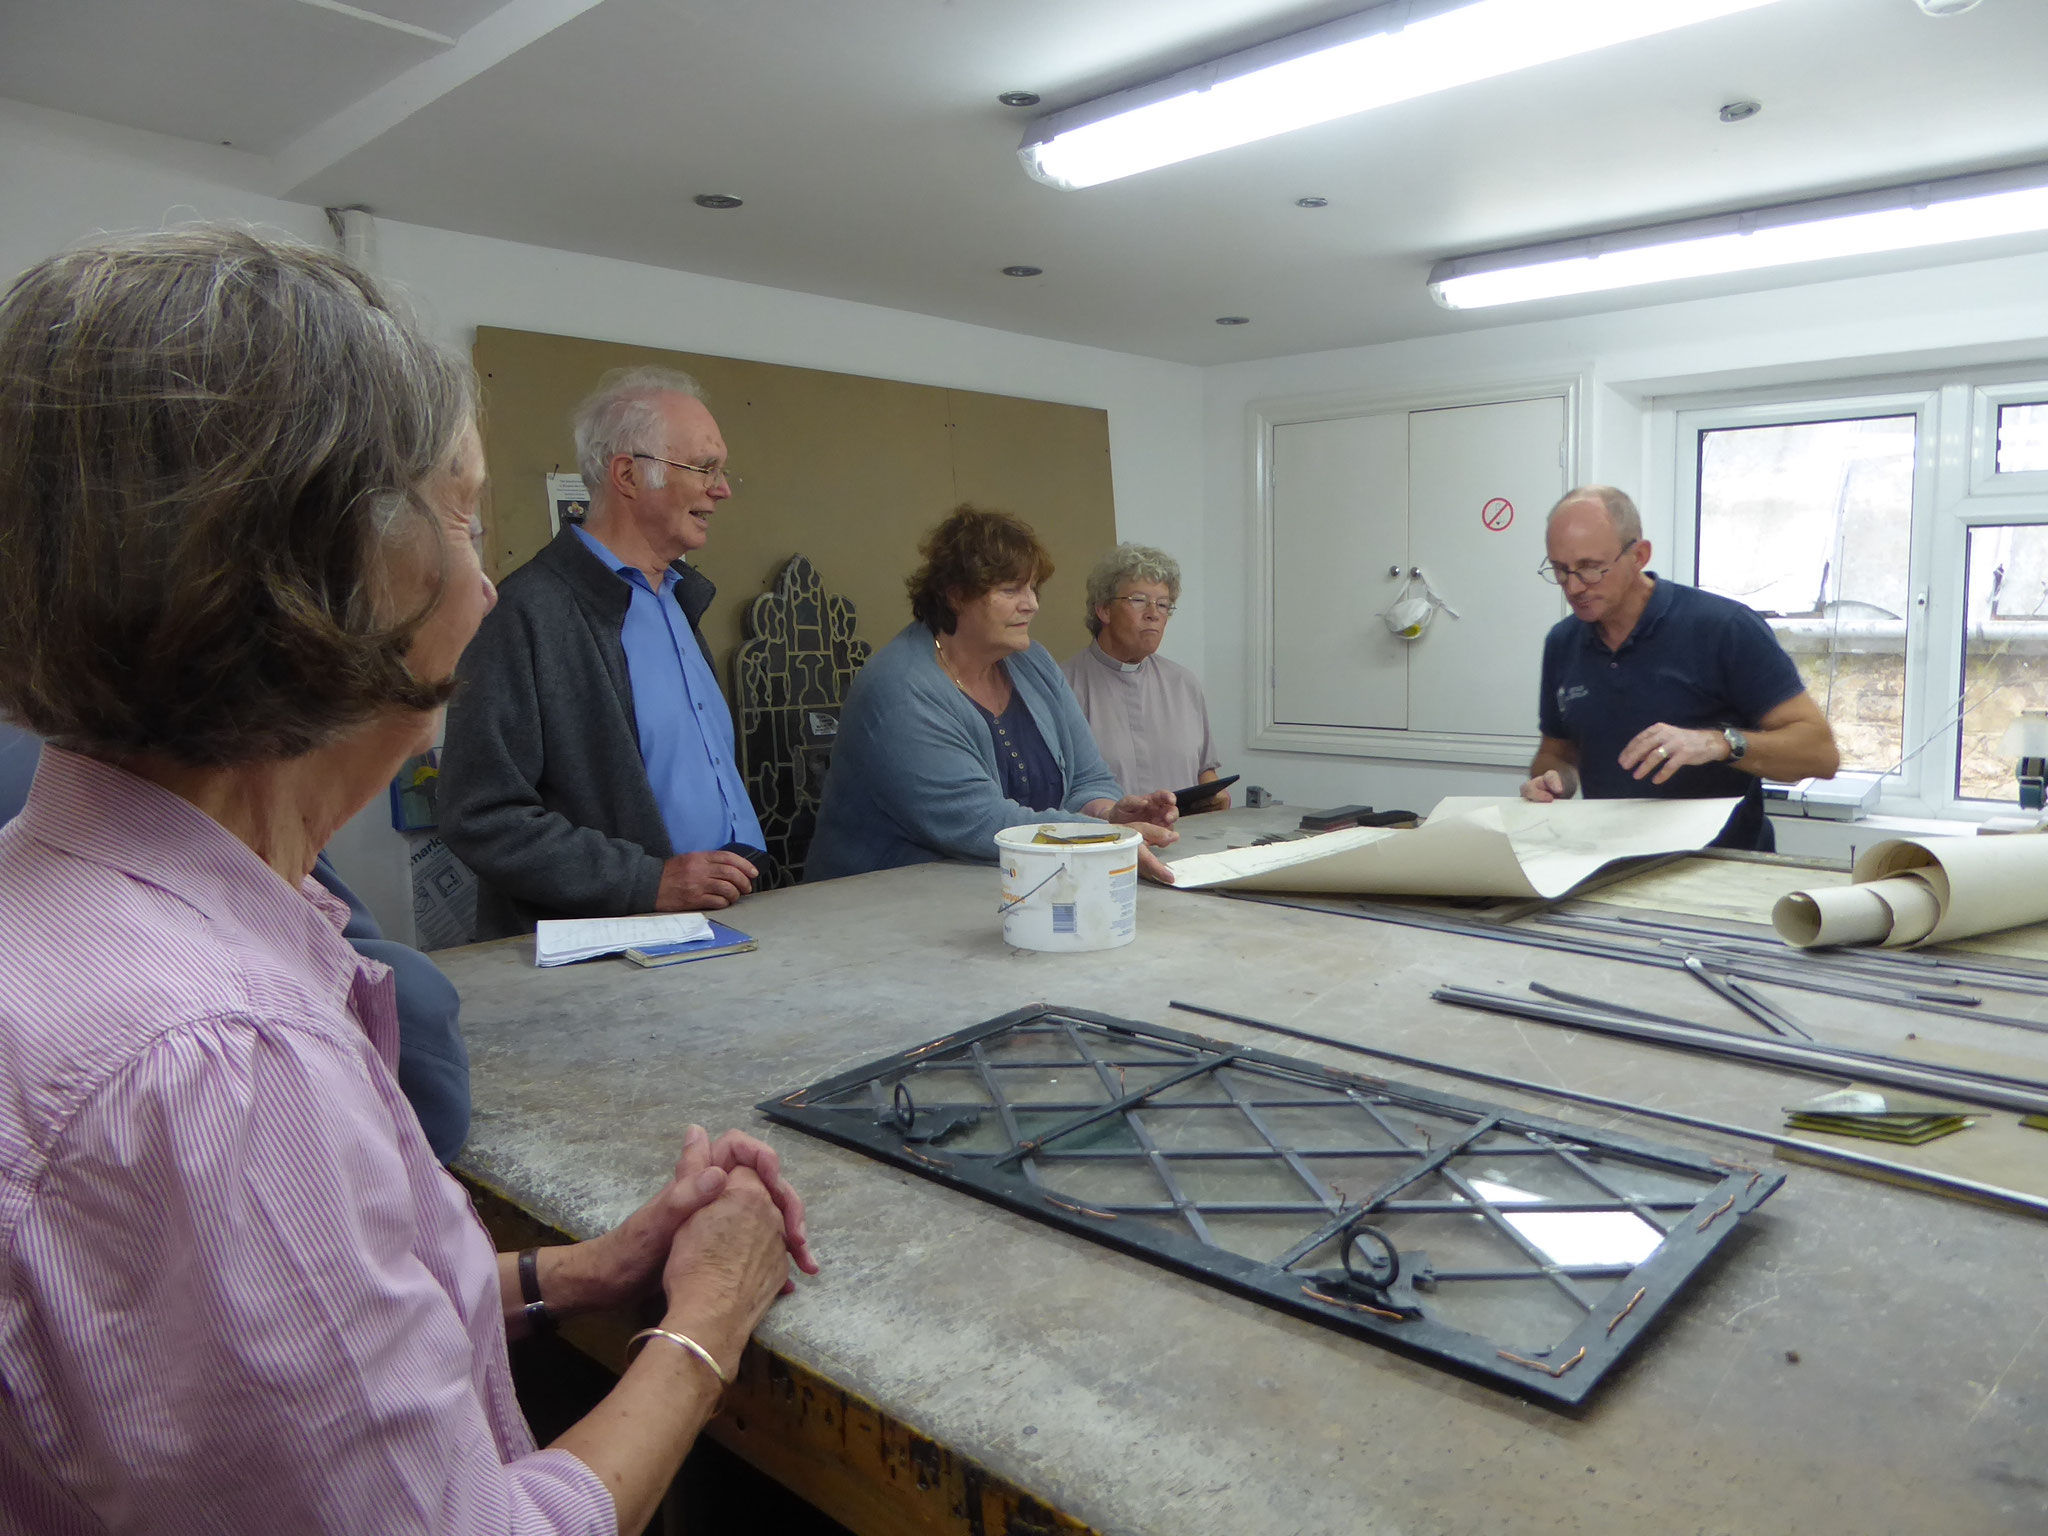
{"x": 914, "y": 776}
{"x": 543, "y": 793}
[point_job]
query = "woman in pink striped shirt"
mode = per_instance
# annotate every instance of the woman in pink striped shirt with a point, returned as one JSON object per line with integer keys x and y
{"x": 238, "y": 504}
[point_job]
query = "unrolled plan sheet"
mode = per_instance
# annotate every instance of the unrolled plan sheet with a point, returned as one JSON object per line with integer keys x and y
{"x": 1471, "y": 845}
{"x": 560, "y": 941}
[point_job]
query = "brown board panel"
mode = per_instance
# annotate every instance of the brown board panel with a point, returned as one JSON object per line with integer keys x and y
{"x": 848, "y": 470}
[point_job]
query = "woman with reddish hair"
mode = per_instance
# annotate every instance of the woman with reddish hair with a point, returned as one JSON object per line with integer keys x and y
{"x": 962, "y": 725}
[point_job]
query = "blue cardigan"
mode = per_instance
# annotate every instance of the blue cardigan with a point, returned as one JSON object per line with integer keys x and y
{"x": 914, "y": 775}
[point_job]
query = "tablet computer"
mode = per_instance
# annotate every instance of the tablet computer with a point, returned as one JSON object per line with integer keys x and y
{"x": 1201, "y": 794}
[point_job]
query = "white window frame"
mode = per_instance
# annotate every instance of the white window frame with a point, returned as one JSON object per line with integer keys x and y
{"x": 1264, "y": 730}
{"x": 1955, "y": 489}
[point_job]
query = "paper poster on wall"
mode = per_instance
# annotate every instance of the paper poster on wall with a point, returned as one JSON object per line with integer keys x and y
{"x": 568, "y": 501}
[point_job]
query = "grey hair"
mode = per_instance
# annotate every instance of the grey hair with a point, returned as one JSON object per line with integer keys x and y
{"x": 212, "y": 448}
{"x": 1129, "y": 562}
{"x": 620, "y": 416}
{"x": 1621, "y": 512}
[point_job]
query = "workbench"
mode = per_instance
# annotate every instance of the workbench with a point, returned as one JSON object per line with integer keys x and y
{"x": 1860, "y": 1358}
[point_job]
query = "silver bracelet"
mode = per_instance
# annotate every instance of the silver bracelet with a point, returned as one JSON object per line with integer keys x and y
{"x": 683, "y": 1339}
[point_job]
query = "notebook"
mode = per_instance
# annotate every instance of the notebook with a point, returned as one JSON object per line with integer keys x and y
{"x": 723, "y": 941}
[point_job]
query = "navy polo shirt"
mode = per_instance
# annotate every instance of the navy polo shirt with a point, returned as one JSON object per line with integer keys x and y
{"x": 1694, "y": 660}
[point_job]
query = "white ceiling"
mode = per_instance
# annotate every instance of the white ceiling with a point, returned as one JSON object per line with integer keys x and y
{"x": 876, "y": 164}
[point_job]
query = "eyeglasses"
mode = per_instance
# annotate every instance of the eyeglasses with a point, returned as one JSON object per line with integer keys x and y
{"x": 1138, "y": 602}
{"x": 715, "y": 474}
{"x": 1584, "y": 574}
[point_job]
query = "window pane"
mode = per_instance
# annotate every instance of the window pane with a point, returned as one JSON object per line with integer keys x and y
{"x": 2005, "y": 645}
{"x": 2022, "y": 438}
{"x": 1811, "y": 525}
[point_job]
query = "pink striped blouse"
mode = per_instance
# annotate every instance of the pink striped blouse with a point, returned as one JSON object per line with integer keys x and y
{"x": 237, "y": 1293}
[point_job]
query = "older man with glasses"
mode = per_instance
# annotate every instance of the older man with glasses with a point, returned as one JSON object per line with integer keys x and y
{"x": 1652, "y": 690}
{"x": 1148, "y": 715}
{"x": 589, "y": 767}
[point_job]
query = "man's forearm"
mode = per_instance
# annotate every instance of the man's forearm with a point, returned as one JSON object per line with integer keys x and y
{"x": 1803, "y": 750}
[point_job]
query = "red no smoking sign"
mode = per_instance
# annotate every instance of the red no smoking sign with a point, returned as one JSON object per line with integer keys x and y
{"x": 1497, "y": 513}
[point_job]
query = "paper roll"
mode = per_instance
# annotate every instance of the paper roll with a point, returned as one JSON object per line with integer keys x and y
{"x": 1841, "y": 914}
{"x": 1915, "y": 909}
{"x": 1924, "y": 891}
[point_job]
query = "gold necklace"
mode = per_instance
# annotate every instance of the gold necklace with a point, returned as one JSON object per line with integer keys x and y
{"x": 940, "y": 653}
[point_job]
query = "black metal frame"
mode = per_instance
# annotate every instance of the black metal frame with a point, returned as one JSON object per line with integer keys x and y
{"x": 877, "y": 1109}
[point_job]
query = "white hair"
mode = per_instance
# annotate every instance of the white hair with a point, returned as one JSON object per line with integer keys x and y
{"x": 622, "y": 416}
{"x": 1129, "y": 562}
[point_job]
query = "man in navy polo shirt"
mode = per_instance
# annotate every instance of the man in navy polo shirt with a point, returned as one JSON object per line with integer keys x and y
{"x": 1652, "y": 690}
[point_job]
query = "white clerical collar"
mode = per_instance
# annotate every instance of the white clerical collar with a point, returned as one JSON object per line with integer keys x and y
{"x": 1109, "y": 660}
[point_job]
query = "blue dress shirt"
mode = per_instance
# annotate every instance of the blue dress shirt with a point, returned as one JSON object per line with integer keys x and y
{"x": 684, "y": 726}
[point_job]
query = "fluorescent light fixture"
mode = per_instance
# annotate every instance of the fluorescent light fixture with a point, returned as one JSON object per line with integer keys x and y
{"x": 1978, "y": 207}
{"x": 1390, "y": 53}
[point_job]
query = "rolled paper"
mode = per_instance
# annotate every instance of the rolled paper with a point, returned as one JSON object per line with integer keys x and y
{"x": 1915, "y": 908}
{"x": 1841, "y": 914}
{"x": 1924, "y": 891}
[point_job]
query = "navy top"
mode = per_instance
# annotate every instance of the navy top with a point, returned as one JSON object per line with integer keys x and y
{"x": 1694, "y": 660}
{"x": 1025, "y": 766}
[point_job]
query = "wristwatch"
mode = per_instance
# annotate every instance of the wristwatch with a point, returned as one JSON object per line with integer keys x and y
{"x": 538, "y": 1318}
{"x": 1738, "y": 744}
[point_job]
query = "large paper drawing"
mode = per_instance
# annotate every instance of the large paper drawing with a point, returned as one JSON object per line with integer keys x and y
{"x": 1909, "y": 892}
{"x": 1471, "y": 845}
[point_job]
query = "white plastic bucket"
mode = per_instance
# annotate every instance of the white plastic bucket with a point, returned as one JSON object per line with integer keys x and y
{"x": 1068, "y": 896}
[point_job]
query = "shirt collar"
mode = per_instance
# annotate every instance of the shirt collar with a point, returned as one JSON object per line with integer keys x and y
{"x": 105, "y": 815}
{"x": 629, "y": 573}
{"x": 1095, "y": 649}
{"x": 1646, "y": 621}
{"x": 1654, "y": 610}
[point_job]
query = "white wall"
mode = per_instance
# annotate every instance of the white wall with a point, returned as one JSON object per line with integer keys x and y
{"x": 1990, "y": 311}
{"x": 64, "y": 178}
{"x": 1178, "y": 435}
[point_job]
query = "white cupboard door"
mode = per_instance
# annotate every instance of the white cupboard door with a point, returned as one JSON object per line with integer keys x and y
{"x": 1481, "y": 479}
{"x": 1340, "y": 521}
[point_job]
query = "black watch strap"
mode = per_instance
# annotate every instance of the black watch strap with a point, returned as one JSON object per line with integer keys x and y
{"x": 538, "y": 1318}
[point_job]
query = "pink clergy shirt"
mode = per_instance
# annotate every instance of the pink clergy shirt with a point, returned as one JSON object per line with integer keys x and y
{"x": 237, "y": 1293}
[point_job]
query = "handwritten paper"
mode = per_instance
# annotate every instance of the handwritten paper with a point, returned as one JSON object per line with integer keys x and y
{"x": 561, "y": 941}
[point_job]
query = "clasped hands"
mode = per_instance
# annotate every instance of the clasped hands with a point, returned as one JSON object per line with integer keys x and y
{"x": 718, "y": 1237}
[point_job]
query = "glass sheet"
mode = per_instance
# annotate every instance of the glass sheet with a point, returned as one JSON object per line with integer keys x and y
{"x": 2005, "y": 653}
{"x": 2022, "y": 438}
{"x": 1810, "y": 523}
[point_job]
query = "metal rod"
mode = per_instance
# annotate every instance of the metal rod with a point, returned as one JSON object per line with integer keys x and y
{"x": 1774, "y": 965}
{"x": 2029, "y": 981}
{"x": 1612, "y": 950}
{"x": 1791, "y": 1025}
{"x": 1697, "y": 968}
{"x": 1620, "y": 1010}
{"x": 1851, "y": 1052}
{"x": 2010, "y": 1199}
{"x": 1781, "y": 1054}
{"x": 1756, "y": 1007}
